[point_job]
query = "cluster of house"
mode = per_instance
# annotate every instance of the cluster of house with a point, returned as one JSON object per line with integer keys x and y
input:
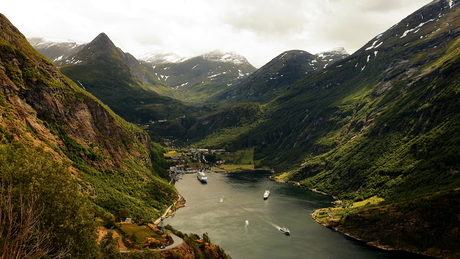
{"x": 184, "y": 165}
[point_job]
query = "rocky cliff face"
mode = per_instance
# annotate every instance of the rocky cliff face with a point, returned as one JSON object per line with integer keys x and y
{"x": 39, "y": 106}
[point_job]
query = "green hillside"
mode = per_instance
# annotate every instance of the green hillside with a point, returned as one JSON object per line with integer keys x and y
{"x": 65, "y": 159}
{"x": 383, "y": 122}
{"x": 217, "y": 129}
{"x": 389, "y": 130}
{"x": 109, "y": 74}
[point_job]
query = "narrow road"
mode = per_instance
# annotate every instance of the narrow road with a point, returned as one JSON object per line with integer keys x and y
{"x": 177, "y": 241}
{"x": 157, "y": 221}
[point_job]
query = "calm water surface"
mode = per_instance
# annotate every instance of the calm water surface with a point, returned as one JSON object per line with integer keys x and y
{"x": 222, "y": 206}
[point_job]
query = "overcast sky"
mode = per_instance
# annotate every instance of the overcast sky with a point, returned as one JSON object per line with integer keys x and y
{"x": 257, "y": 29}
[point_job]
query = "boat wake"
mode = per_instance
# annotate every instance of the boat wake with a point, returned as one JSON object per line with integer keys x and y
{"x": 246, "y": 223}
{"x": 271, "y": 222}
{"x": 274, "y": 225}
{"x": 264, "y": 216}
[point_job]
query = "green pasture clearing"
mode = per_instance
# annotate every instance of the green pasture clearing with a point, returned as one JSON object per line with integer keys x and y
{"x": 332, "y": 215}
{"x": 172, "y": 154}
{"x": 140, "y": 233}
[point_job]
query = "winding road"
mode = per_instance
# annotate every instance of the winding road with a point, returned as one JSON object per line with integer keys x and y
{"x": 177, "y": 241}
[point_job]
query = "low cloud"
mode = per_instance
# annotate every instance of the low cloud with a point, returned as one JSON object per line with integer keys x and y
{"x": 257, "y": 29}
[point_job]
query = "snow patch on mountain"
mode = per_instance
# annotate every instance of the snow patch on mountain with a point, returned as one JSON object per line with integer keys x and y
{"x": 416, "y": 29}
{"x": 374, "y": 45}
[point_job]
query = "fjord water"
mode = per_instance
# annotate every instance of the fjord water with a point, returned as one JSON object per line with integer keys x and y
{"x": 222, "y": 206}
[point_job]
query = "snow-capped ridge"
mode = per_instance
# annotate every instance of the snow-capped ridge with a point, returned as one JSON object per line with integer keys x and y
{"x": 158, "y": 58}
{"x": 215, "y": 56}
{"x": 334, "y": 51}
{"x": 227, "y": 57}
{"x": 49, "y": 42}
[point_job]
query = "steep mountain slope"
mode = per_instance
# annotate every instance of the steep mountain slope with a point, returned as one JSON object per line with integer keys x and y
{"x": 274, "y": 78}
{"x": 46, "y": 118}
{"x": 129, "y": 88}
{"x": 373, "y": 122}
{"x": 104, "y": 62}
{"x": 382, "y": 122}
{"x": 199, "y": 78}
{"x": 233, "y": 121}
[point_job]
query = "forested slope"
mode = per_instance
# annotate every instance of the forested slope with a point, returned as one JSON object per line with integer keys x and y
{"x": 66, "y": 158}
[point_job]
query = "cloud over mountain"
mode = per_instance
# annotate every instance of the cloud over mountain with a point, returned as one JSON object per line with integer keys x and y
{"x": 257, "y": 29}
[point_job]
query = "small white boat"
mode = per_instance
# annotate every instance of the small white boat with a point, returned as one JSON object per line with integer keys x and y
{"x": 285, "y": 231}
{"x": 266, "y": 194}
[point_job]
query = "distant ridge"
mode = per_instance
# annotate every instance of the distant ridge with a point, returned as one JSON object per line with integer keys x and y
{"x": 158, "y": 58}
{"x": 271, "y": 80}
{"x": 54, "y": 49}
{"x": 199, "y": 78}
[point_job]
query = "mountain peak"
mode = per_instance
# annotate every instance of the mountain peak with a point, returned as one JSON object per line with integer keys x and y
{"x": 101, "y": 45}
{"x": 340, "y": 50}
{"x": 102, "y": 35}
{"x": 101, "y": 42}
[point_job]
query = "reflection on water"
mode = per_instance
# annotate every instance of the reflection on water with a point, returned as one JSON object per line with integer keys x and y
{"x": 231, "y": 209}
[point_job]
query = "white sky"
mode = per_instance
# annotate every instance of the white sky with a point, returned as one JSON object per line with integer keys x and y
{"x": 257, "y": 29}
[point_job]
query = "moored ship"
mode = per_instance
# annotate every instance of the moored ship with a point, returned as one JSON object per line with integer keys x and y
{"x": 202, "y": 177}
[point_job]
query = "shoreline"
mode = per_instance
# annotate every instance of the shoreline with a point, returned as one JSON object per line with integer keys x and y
{"x": 386, "y": 248}
{"x": 171, "y": 210}
{"x": 241, "y": 170}
{"x": 370, "y": 244}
